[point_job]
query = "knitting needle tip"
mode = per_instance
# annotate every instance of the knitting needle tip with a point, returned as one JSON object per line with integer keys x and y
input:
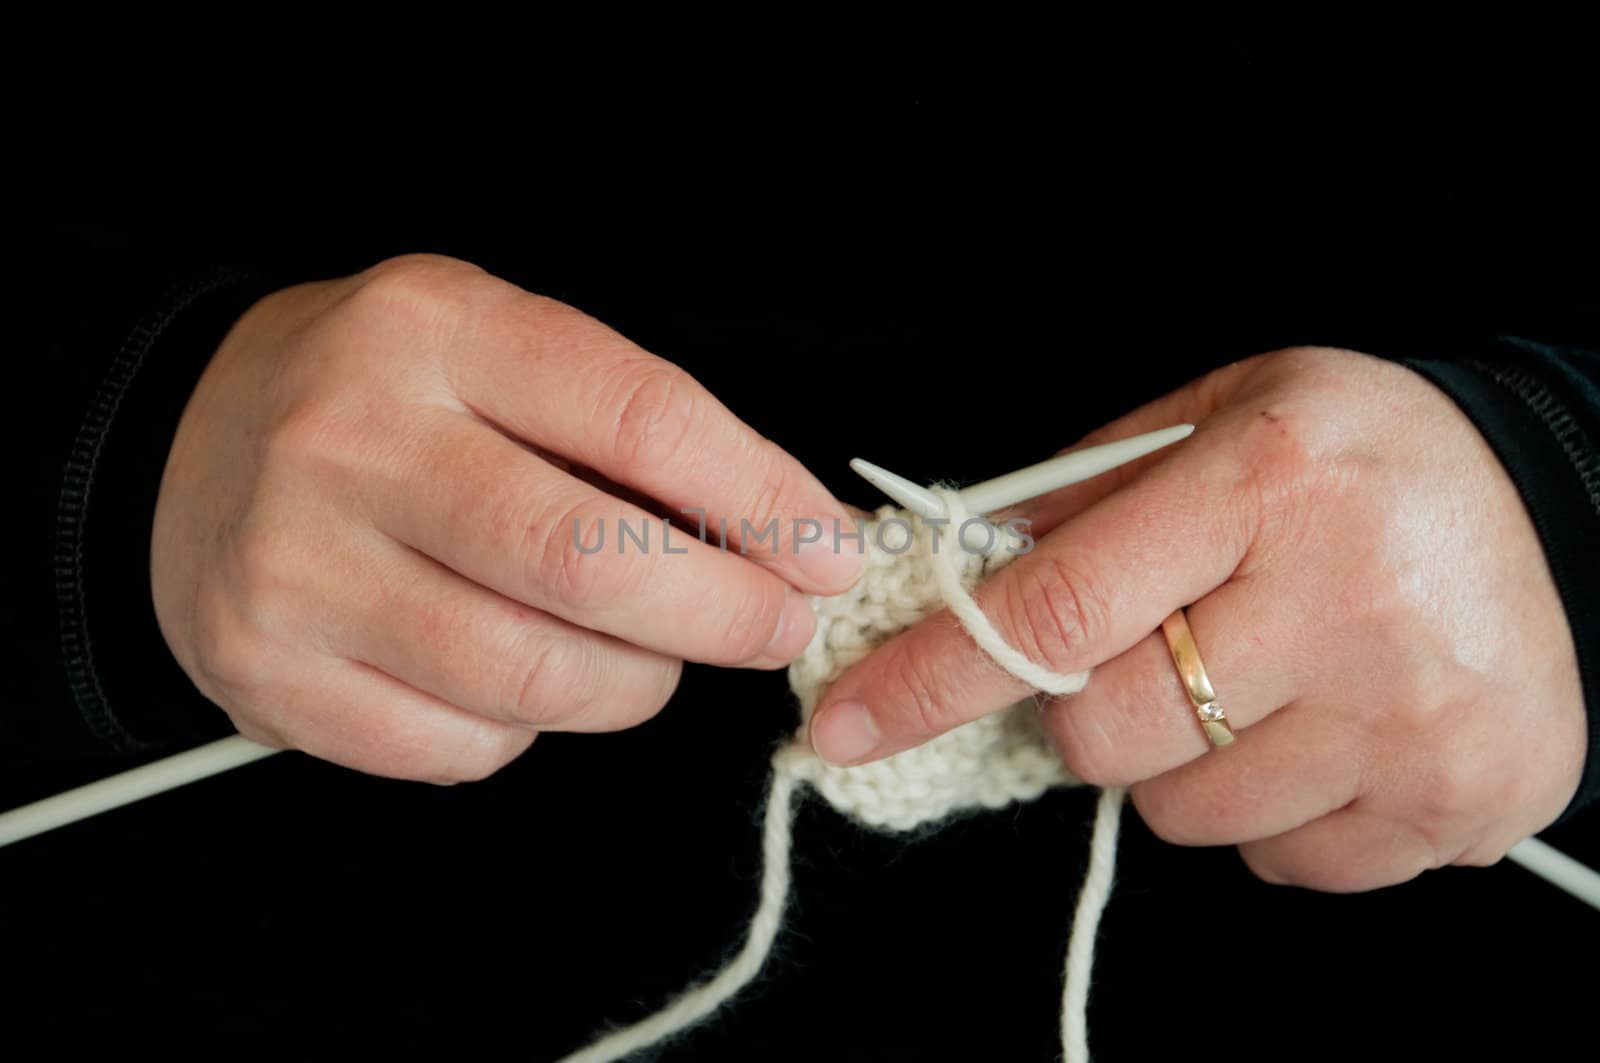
{"x": 914, "y": 497}
{"x": 1062, "y": 470}
{"x": 1023, "y": 484}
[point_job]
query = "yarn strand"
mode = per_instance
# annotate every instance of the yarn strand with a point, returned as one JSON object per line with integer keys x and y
{"x": 1092, "y": 899}
{"x": 703, "y": 1000}
{"x": 966, "y": 609}
{"x": 987, "y": 762}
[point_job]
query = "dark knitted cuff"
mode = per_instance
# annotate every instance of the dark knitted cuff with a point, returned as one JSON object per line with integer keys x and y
{"x": 1530, "y": 407}
{"x": 125, "y": 682}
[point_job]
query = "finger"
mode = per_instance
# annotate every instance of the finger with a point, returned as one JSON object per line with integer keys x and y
{"x": 481, "y": 505}
{"x": 1090, "y": 590}
{"x": 480, "y": 651}
{"x": 354, "y": 715}
{"x": 1299, "y": 764}
{"x": 1134, "y": 720}
{"x": 1190, "y": 404}
{"x": 553, "y": 376}
{"x": 1347, "y": 851}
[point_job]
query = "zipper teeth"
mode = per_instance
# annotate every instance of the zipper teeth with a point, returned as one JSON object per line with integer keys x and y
{"x": 1579, "y": 450}
{"x": 1569, "y": 435}
{"x": 73, "y": 510}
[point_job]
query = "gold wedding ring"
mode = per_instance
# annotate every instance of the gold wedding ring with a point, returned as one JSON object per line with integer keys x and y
{"x": 1186, "y": 655}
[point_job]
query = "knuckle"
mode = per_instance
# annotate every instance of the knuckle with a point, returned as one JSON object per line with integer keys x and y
{"x": 650, "y": 694}
{"x": 476, "y": 752}
{"x": 416, "y": 280}
{"x": 1168, "y": 814}
{"x": 1484, "y": 854}
{"x": 265, "y": 564}
{"x": 918, "y": 690}
{"x": 1322, "y": 366}
{"x": 228, "y": 657}
{"x": 488, "y": 748}
{"x": 559, "y": 679}
{"x": 1266, "y": 866}
{"x": 210, "y": 635}
{"x": 1053, "y": 612}
{"x": 1082, "y": 743}
{"x": 752, "y": 620}
{"x": 1285, "y": 861}
{"x": 313, "y": 437}
{"x": 416, "y": 746}
{"x": 258, "y": 733}
{"x": 1281, "y": 460}
{"x": 417, "y": 262}
{"x": 765, "y": 503}
{"x": 413, "y": 294}
{"x": 664, "y": 684}
{"x": 1404, "y": 719}
{"x": 560, "y": 569}
{"x": 650, "y": 410}
{"x": 1326, "y": 871}
{"x": 1422, "y": 701}
{"x": 1448, "y": 791}
{"x": 387, "y": 754}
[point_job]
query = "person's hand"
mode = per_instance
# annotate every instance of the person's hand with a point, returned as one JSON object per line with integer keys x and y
{"x": 364, "y": 545}
{"x": 1368, "y": 594}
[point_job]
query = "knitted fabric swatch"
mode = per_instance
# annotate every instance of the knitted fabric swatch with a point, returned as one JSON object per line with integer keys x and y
{"x": 912, "y": 569}
{"x": 989, "y": 762}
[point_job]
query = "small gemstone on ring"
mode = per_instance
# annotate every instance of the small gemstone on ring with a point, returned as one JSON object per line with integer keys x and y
{"x": 1211, "y": 710}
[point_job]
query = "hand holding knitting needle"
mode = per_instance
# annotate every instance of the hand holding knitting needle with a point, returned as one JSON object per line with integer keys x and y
{"x": 365, "y": 544}
{"x": 1371, "y": 600}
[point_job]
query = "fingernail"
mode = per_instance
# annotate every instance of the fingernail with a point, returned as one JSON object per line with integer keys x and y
{"x": 796, "y": 625}
{"x": 844, "y": 732}
{"x": 834, "y": 560}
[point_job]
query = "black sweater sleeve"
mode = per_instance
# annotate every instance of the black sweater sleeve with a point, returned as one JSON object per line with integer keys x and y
{"x": 112, "y": 340}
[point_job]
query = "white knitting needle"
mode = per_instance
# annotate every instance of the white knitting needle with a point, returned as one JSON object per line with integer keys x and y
{"x": 1023, "y": 484}
{"x": 125, "y": 788}
{"x": 228, "y": 753}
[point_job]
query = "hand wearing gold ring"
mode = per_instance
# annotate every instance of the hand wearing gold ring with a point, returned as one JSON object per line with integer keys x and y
{"x": 1374, "y": 608}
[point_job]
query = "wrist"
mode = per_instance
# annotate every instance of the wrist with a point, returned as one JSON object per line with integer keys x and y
{"x": 121, "y": 676}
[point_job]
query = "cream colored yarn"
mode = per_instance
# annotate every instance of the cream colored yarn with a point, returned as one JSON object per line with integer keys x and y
{"x": 987, "y": 763}
{"x": 912, "y": 569}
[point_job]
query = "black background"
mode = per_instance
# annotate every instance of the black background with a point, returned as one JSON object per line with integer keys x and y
{"x": 951, "y": 281}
